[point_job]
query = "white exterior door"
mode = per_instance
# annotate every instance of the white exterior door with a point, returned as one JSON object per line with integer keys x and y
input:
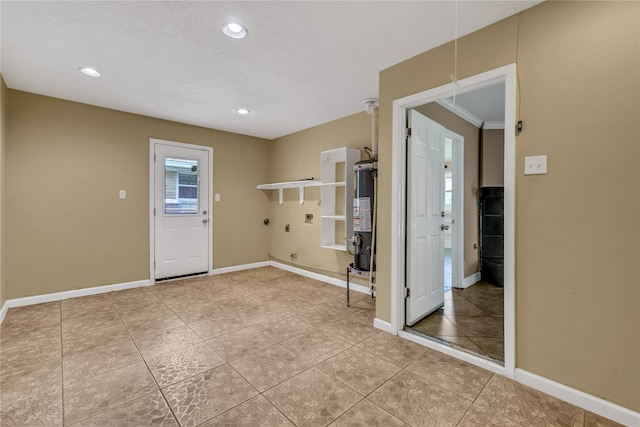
{"x": 181, "y": 210}
{"x": 425, "y": 211}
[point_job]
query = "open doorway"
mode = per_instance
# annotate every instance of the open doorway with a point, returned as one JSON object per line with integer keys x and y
{"x": 401, "y": 265}
{"x": 467, "y": 316}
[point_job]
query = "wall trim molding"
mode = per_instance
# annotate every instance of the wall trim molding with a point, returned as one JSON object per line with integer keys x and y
{"x": 3, "y": 311}
{"x": 58, "y": 296}
{"x": 469, "y": 280}
{"x": 240, "y": 267}
{"x": 579, "y": 398}
{"x": 384, "y": 326}
{"x": 317, "y": 276}
{"x": 468, "y": 116}
{"x": 460, "y": 111}
{"x": 493, "y": 125}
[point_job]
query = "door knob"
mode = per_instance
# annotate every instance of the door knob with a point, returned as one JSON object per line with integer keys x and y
{"x": 204, "y": 221}
{"x": 444, "y": 227}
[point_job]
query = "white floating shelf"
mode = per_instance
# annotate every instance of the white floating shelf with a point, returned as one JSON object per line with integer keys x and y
{"x": 300, "y": 185}
{"x": 336, "y": 217}
{"x": 336, "y": 247}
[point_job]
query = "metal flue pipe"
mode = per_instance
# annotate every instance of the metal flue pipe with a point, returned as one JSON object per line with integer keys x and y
{"x": 371, "y": 106}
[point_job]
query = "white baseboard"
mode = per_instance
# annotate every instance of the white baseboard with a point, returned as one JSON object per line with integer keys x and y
{"x": 3, "y": 311}
{"x": 385, "y": 326}
{"x": 469, "y": 280}
{"x": 321, "y": 277}
{"x": 240, "y": 267}
{"x": 57, "y": 296}
{"x": 579, "y": 398}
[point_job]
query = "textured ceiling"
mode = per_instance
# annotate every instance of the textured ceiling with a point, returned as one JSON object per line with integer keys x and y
{"x": 303, "y": 63}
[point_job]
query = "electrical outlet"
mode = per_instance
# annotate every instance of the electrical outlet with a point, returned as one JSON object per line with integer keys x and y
{"x": 286, "y": 228}
{"x": 308, "y": 218}
{"x": 122, "y": 194}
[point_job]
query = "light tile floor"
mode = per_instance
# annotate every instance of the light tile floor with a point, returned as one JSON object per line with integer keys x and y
{"x": 472, "y": 319}
{"x": 254, "y": 348}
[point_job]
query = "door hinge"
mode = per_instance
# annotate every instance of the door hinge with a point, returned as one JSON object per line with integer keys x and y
{"x": 407, "y": 292}
{"x": 154, "y": 211}
{"x": 407, "y": 133}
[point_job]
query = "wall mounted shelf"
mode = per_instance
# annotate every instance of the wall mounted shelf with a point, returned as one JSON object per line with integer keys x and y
{"x": 300, "y": 185}
{"x": 336, "y": 211}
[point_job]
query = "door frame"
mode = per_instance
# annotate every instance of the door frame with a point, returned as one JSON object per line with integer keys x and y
{"x": 506, "y": 75}
{"x": 152, "y": 179}
{"x": 457, "y": 209}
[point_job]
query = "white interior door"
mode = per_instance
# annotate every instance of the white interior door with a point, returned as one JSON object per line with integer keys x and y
{"x": 425, "y": 215}
{"x": 181, "y": 210}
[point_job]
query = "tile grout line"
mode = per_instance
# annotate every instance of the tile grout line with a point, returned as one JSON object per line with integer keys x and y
{"x": 129, "y": 401}
{"x": 474, "y": 400}
{"x": 312, "y": 365}
{"x": 227, "y": 362}
{"x": 145, "y": 363}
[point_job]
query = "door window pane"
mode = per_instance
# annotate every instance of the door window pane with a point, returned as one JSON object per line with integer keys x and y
{"x": 448, "y": 191}
{"x": 181, "y": 186}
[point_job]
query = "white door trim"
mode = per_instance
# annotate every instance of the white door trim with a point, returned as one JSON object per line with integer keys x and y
{"x": 506, "y": 74}
{"x": 457, "y": 211}
{"x": 152, "y": 145}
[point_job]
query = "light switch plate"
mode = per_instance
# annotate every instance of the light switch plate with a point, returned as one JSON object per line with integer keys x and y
{"x": 535, "y": 165}
{"x": 123, "y": 194}
{"x": 217, "y": 197}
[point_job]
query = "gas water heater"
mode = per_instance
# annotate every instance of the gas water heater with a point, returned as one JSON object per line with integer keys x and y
{"x": 365, "y": 173}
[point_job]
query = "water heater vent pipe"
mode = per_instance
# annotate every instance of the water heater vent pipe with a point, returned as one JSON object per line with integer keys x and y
{"x": 371, "y": 106}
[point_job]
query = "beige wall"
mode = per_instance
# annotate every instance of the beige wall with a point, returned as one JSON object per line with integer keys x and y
{"x": 578, "y": 226}
{"x": 492, "y": 158}
{"x": 577, "y": 296}
{"x": 3, "y": 142}
{"x": 297, "y": 156}
{"x": 66, "y": 227}
{"x": 471, "y": 135}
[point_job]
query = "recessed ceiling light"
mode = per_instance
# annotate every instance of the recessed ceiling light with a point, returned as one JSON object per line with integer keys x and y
{"x": 91, "y": 72}
{"x": 235, "y": 31}
{"x": 243, "y": 111}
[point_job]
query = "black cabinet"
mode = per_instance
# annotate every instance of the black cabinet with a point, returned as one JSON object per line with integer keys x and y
{"x": 492, "y": 235}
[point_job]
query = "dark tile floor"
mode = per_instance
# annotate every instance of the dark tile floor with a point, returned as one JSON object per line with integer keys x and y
{"x": 260, "y": 347}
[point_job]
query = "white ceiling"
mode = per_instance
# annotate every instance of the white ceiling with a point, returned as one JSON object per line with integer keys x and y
{"x": 481, "y": 107}
{"x": 303, "y": 63}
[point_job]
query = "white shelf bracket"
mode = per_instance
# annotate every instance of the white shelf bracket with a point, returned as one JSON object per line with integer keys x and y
{"x": 281, "y": 186}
